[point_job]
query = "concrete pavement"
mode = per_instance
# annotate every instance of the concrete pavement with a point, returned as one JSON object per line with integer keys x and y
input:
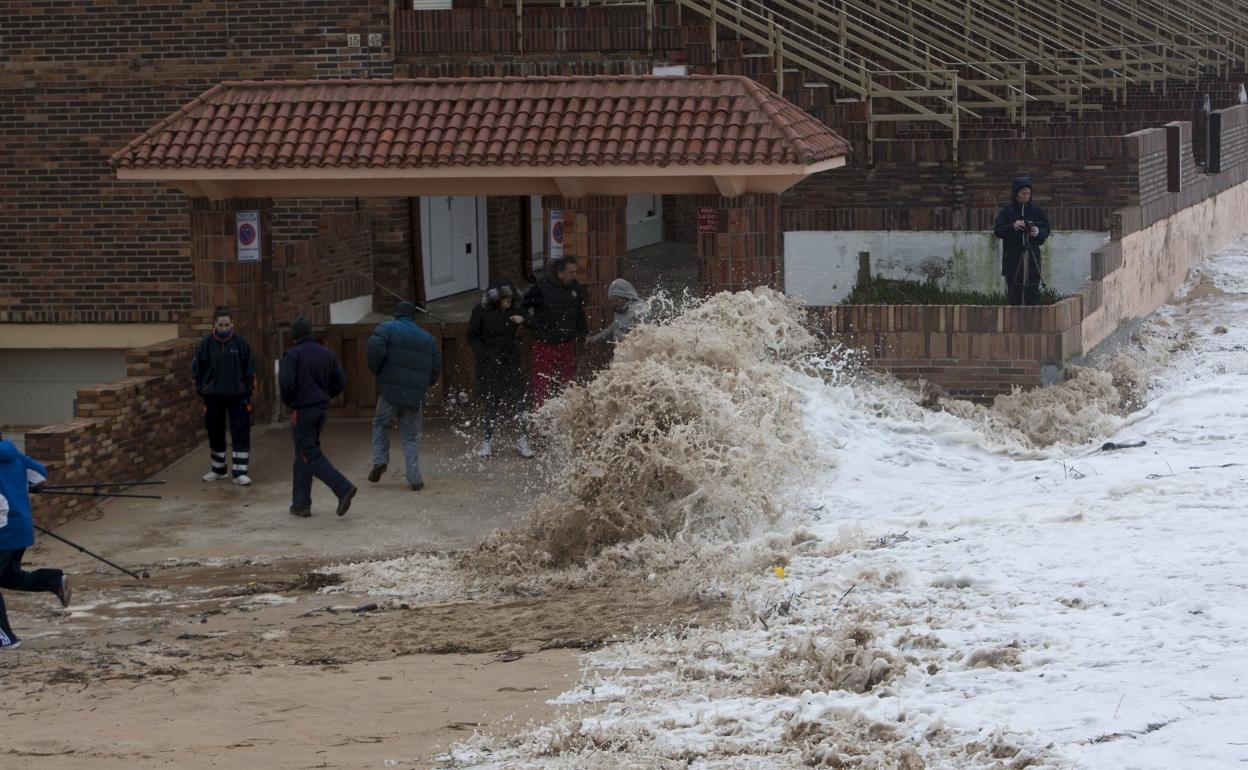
{"x": 465, "y": 497}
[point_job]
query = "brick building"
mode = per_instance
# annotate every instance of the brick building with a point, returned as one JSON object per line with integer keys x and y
{"x": 92, "y": 265}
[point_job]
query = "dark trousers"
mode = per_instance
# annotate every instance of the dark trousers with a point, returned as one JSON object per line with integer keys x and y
{"x": 217, "y": 410}
{"x": 1023, "y": 279}
{"x": 310, "y": 461}
{"x": 1024, "y": 293}
{"x": 506, "y": 404}
{"x": 13, "y": 577}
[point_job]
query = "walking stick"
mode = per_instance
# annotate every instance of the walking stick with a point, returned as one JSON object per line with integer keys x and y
{"x": 50, "y": 533}
{"x": 97, "y": 493}
{"x": 104, "y": 484}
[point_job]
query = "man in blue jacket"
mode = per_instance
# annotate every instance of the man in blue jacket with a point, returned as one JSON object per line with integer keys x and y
{"x": 1022, "y": 227}
{"x": 225, "y": 378}
{"x": 406, "y": 361}
{"x": 18, "y": 474}
{"x": 309, "y": 377}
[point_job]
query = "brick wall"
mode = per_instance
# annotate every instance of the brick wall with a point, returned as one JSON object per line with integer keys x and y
{"x": 310, "y": 275}
{"x": 543, "y": 29}
{"x": 745, "y": 250}
{"x": 1079, "y": 181}
{"x": 78, "y": 81}
{"x": 124, "y": 430}
{"x": 1156, "y": 242}
{"x": 506, "y": 224}
{"x": 975, "y": 352}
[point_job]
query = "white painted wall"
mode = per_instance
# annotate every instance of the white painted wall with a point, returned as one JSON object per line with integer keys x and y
{"x": 38, "y": 387}
{"x": 644, "y": 217}
{"x": 821, "y": 267}
{"x": 350, "y": 311}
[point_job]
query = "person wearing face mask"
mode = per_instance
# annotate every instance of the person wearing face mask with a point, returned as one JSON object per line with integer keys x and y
{"x": 225, "y": 378}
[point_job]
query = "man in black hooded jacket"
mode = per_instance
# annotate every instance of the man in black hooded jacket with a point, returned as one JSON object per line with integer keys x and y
{"x": 1022, "y": 227}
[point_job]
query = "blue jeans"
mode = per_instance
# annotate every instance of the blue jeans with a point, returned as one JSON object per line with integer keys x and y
{"x": 409, "y": 420}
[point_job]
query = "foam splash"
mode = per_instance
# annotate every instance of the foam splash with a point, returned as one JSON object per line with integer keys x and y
{"x": 692, "y": 433}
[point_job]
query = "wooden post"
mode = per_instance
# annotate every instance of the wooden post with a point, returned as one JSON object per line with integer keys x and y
{"x": 714, "y": 37}
{"x": 519, "y": 26}
{"x": 777, "y": 38}
{"x": 956, "y": 116}
{"x": 864, "y": 268}
{"x": 650, "y": 26}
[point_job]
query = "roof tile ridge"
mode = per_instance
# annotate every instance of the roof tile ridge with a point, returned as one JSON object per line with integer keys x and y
{"x": 150, "y": 133}
{"x": 766, "y": 101}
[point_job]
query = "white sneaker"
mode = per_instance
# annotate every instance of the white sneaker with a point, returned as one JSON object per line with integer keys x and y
{"x": 13, "y": 645}
{"x": 522, "y": 446}
{"x": 486, "y": 449}
{"x": 243, "y": 481}
{"x": 214, "y": 476}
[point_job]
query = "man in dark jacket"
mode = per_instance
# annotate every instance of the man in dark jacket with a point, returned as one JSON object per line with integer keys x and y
{"x": 309, "y": 377}
{"x": 1022, "y": 227}
{"x": 18, "y": 475}
{"x": 225, "y": 378}
{"x": 556, "y": 314}
{"x": 406, "y": 361}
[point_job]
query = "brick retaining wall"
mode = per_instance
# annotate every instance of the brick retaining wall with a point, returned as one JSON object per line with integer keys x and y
{"x": 124, "y": 430}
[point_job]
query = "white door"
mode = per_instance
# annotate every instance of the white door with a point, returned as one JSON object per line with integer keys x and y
{"x": 451, "y": 244}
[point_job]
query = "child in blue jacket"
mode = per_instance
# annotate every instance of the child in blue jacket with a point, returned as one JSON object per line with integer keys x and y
{"x": 19, "y": 474}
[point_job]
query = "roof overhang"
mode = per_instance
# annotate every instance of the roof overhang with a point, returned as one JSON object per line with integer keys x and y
{"x": 568, "y": 181}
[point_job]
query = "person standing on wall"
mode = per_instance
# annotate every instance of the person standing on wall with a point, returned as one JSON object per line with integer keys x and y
{"x": 500, "y": 386}
{"x": 406, "y": 362}
{"x": 309, "y": 377}
{"x": 556, "y": 314}
{"x": 1022, "y": 227}
{"x": 19, "y": 475}
{"x": 225, "y": 378}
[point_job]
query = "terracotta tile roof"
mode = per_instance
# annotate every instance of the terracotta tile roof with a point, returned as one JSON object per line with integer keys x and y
{"x": 578, "y": 121}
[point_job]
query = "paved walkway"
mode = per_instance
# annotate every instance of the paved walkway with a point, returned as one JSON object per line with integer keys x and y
{"x": 464, "y": 498}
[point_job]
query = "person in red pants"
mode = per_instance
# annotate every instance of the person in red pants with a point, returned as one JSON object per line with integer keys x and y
{"x": 555, "y": 312}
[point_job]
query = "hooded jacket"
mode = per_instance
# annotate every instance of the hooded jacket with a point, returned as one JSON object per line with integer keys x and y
{"x": 492, "y": 336}
{"x": 1015, "y": 243}
{"x": 626, "y": 317}
{"x": 17, "y": 473}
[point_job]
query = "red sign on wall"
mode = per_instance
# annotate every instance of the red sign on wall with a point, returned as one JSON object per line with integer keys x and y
{"x": 708, "y": 219}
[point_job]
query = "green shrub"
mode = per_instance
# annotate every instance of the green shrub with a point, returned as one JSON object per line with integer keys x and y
{"x": 886, "y": 291}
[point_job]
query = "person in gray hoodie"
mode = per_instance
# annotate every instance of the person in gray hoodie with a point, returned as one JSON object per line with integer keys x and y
{"x": 630, "y": 310}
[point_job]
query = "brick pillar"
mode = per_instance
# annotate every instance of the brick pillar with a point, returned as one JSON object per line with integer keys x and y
{"x": 396, "y": 253}
{"x": 595, "y": 232}
{"x": 744, "y": 248}
{"x": 218, "y": 278}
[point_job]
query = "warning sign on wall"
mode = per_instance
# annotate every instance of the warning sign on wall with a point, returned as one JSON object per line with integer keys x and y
{"x": 247, "y": 226}
{"x": 708, "y": 219}
{"x": 556, "y": 233}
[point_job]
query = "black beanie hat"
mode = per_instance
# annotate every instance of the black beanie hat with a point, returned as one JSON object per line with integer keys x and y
{"x": 301, "y": 328}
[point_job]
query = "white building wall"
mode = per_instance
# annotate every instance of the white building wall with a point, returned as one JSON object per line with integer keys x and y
{"x": 821, "y": 267}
